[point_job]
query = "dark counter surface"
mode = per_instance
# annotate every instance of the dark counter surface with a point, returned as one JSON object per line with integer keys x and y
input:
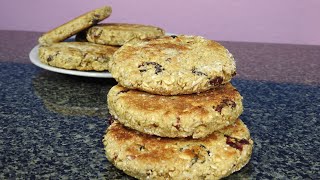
{"x": 51, "y": 124}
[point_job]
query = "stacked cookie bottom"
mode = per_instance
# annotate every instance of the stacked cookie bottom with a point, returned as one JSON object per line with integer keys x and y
{"x": 195, "y": 136}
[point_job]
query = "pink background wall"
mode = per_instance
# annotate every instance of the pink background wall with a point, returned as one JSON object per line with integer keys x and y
{"x": 279, "y": 21}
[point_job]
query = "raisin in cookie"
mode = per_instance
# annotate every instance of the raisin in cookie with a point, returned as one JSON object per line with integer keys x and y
{"x": 151, "y": 157}
{"x": 119, "y": 33}
{"x": 172, "y": 65}
{"x": 195, "y": 115}
{"x": 82, "y": 56}
{"x": 76, "y": 25}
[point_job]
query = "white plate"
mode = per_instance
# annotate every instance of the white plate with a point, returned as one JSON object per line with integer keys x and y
{"x": 33, "y": 55}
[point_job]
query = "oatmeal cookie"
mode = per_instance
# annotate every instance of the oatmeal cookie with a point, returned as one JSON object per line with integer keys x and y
{"x": 82, "y": 56}
{"x": 118, "y": 33}
{"x": 76, "y": 25}
{"x": 172, "y": 65}
{"x": 151, "y": 157}
{"x": 195, "y": 115}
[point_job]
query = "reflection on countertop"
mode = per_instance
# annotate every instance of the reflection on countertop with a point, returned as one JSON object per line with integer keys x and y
{"x": 70, "y": 95}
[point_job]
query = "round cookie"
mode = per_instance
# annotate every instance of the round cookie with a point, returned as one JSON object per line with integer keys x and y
{"x": 151, "y": 157}
{"x": 119, "y": 33}
{"x": 172, "y": 65}
{"x": 82, "y": 56}
{"x": 76, "y": 25}
{"x": 195, "y": 115}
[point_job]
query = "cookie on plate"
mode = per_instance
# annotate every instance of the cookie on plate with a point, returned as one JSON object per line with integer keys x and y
{"x": 172, "y": 65}
{"x": 76, "y": 25}
{"x": 151, "y": 157}
{"x": 82, "y": 56}
{"x": 195, "y": 115}
{"x": 119, "y": 33}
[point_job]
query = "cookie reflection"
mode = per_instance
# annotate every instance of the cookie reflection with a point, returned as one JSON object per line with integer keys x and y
{"x": 73, "y": 95}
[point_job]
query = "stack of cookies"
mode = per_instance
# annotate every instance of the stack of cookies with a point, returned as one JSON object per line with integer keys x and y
{"x": 175, "y": 113}
{"x": 94, "y": 43}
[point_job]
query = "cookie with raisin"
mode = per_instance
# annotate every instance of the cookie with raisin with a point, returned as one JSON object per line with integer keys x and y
{"x": 83, "y": 56}
{"x": 117, "y": 34}
{"x": 172, "y": 65}
{"x": 76, "y": 25}
{"x": 195, "y": 115}
{"x": 151, "y": 157}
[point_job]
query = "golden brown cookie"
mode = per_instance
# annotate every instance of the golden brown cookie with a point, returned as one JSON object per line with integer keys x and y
{"x": 118, "y": 33}
{"x": 195, "y": 115}
{"x": 172, "y": 65}
{"x": 76, "y": 25}
{"x": 82, "y": 56}
{"x": 151, "y": 157}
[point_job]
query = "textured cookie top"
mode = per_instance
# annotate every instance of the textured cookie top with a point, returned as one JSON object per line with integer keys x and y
{"x": 76, "y": 25}
{"x": 172, "y": 65}
{"x": 119, "y": 33}
{"x": 195, "y": 115}
{"x": 84, "y": 47}
{"x": 145, "y": 156}
{"x": 77, "y": 55}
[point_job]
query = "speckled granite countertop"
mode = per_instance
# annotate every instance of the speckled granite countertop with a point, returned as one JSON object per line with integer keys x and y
{"x": 51, "y": 125}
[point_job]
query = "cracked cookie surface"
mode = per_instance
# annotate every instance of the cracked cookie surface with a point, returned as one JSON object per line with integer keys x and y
{"x": 151, "y": 157}
{"x": 82, "y": 56}
{"x": 172, "y": 65}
